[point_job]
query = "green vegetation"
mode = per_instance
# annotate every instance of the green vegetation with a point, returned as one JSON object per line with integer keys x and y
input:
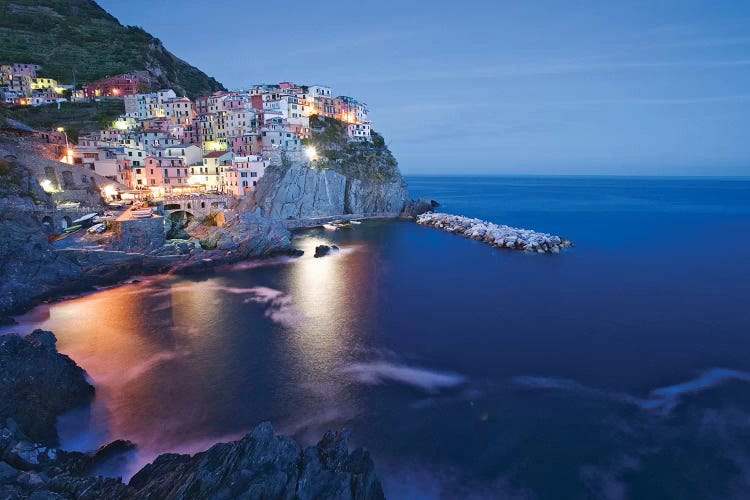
{"x": 210, "y": 220}
{"x": 77, "y": 39}
{"x": 76, "y": 118}
{"x": 361, "y": 160}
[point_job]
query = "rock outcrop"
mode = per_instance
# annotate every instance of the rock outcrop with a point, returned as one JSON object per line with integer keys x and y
{"x": 299, "y": 192}
{"x": 248, "y": 234}
{"x": 323, "y": 250}
{"x": 499, "y": 236}
{"x": 419, "y": 207}
{"x": 29, "y": 267}
{"x": 37, "y": 384}
{"x": 343, "y": 178}
{"x": 260, "y": 465}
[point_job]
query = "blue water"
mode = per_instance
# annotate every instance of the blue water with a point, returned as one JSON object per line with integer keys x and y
{"x": 618, "y": 369}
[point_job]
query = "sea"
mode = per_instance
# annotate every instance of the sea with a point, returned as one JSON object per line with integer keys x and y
{"x": 619, "y": 368}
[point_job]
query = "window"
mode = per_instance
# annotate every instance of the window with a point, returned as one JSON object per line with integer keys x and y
{"x": 152, "y": 171}
{"x": 253, "y": 174}
{"x": 243, "y": 174}
{"x": 153, "y": 182}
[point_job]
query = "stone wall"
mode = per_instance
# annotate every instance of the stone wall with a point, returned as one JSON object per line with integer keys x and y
{"x": 138, "y": 235}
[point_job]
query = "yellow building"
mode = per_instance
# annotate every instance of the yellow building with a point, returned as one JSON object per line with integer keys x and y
{"x": 43, "y": 83}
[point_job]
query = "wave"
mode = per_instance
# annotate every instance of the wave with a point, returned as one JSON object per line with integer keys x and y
{"x": 379, "y": 372}
{"x": 280, "y": 306}
{"x": 662, "y": 399}
{"x": 135, "y": 371}
{"x": 253, "y": 264}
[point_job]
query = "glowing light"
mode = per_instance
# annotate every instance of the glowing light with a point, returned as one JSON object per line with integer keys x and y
{"x": 110, "y": 190}
{"x": 311, "y": 152}
{"x": 120, "y": 125}
{"x": 60, "y": 129}
{"x": 47, "y": 185}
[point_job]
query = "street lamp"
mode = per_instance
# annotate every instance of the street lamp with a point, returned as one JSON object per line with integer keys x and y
{"x": 67, "y": 146}
{"x": 60, "y": 129}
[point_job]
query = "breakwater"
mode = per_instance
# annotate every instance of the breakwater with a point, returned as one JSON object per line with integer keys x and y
{"x": 497, "y": 235}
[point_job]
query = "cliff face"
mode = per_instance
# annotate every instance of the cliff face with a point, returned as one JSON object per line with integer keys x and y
{"x": 345, "y": 178}
{"x": 299, "y": 192}
{"x": 78, "y": 36}
{"x": 28, "y": 265}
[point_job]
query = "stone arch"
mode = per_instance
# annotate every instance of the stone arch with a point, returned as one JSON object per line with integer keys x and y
{"x": 203, "y": 204}
{"x": 66, "y": 222}
{"x": 189, "y": 206}
{"x": 68, "y": 182}
{"x": 179, "y": 215}
{"x": 48, "y": 223}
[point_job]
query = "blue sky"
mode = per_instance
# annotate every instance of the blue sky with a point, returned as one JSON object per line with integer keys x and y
{"x": 498, "y": 87}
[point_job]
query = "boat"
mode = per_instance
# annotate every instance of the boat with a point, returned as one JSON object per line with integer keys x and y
{"x": 329, "y": 227}
{"x": 97, "y": 228}
{"x": 338, "y": 224}
{"x": 141, "y": 214}
{"x": 356, "y": 222}
{"x": 86, "y": 220}
{"x": 72, "y": 229}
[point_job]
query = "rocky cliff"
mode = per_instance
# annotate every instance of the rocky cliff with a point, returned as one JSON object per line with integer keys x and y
{"x": 28, "y": 265}
{"x": 298, "y": 191}
{"x": 342, "y": 178}
{"x": 37, "y": 383}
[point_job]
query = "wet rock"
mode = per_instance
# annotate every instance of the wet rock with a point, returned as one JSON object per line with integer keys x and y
{"x": 323, "y": 250}
{"x": 418, "y": 207}
{"x": 37, "y": 384}
{"x": 499, "y": 236}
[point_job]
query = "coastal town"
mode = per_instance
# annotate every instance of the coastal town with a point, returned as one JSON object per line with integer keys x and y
{"x": 166, "y": 144}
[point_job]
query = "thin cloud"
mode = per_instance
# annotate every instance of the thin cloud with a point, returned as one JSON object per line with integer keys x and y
{"x": 547, "y": 69}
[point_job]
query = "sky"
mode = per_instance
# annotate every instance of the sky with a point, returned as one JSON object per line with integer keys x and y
{"x": 653, "y": 87}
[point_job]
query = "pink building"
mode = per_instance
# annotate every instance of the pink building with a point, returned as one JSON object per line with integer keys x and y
{"x": 25, "y": 69}
{"x": 117, "y": 86}
{"x": 247, "y": 144}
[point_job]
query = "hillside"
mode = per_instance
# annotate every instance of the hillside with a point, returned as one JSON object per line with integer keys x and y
{"x": 78, "y": 118}
{"x": 66, "y": 36}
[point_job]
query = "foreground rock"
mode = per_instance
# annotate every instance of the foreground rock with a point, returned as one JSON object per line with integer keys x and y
{"x": 323, "y": 250}
{"x": 37, "y": 384}
{"x": 499, "y": 236}
{"x": 418, "y": 207}
{"x": 260, "y": 465}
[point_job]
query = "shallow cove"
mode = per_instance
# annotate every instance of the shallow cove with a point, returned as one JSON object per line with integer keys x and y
{"x": 462, "y": 367}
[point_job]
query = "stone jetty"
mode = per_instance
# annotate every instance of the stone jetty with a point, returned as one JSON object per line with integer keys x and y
{"x": 499, "y": 236}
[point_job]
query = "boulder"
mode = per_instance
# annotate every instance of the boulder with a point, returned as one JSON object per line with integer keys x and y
{"x": 418, "y": 207}
{"x": 323, "y": 250}
{"x": 37, "y": 384}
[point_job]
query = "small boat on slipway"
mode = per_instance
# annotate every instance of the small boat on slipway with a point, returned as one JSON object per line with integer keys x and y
{"x": 337, "y": 224}
{"x": 142, "y": 214}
